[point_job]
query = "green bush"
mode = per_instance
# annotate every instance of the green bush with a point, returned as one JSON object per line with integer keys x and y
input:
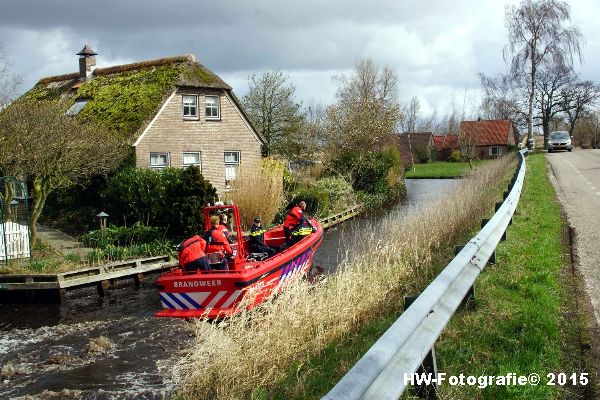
{"x": 371, "y": 171}
{"x": 122, "y": 236}
{"x": 422, "y": 153}
{"x": 339, "y": 190}
{"x": 455, "y": 156}
{"x": 116, "y": 253}
{"x": 171, "y": 199}
{"x": 317, "y": 201}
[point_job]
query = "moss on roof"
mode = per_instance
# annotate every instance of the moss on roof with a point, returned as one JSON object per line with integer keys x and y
{"x": 124, "y": 98}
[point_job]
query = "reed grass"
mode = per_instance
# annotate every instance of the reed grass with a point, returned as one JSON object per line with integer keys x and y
{"x": 255, "y": 350}
{"x": 257, "y": 193}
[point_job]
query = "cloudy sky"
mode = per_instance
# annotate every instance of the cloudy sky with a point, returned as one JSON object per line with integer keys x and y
{"x": 437, "y": 47}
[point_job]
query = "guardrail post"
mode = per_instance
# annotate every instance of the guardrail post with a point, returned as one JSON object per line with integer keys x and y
{"x": 492, "y": 259}
{"x": 498, "y": 205}
{"x": 457, "y": 249}
{"x": 469, "y": 297}
{"x": 484, "y": 221}
{"x": 505, "y": 195}
{"x": 428, "y": 366}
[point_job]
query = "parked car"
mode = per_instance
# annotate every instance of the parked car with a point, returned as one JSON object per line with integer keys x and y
{"x": 560, "y": 140}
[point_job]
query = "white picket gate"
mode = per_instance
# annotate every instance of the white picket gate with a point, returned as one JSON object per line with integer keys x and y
{"x": 14, "y": 241}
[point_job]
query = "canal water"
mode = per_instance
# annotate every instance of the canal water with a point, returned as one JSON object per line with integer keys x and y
{"x": 113, "y": 348}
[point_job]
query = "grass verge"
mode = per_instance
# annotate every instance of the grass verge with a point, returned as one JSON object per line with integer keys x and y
{"x": 521, "y": 321}
{"x": 439, "y": 169}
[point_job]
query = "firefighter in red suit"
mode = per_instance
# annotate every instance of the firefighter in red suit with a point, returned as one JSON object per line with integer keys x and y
{"x": 223, "y": 227}
{"x": 295, "y": 225}
{"x": 190, "y": 253}
{"x": 217, "y": 243}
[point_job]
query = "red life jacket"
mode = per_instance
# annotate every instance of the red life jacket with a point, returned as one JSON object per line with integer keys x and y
{"x": 191, "y": 249}
{"x": 223, "y": 228}
{"x": 293, "y": 218}
{"x": 216, "y": 241}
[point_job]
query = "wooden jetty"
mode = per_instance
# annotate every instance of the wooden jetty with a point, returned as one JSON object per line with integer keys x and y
{"x": 52, "y": 287}
{"x": 335, "y": 219}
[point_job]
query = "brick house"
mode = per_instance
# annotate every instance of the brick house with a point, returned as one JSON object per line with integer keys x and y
{"x": 173, "y": 111}
{"x": 444, "y": 145}
{"x": 411, "y": 145}
{"x": 490, "y": 138}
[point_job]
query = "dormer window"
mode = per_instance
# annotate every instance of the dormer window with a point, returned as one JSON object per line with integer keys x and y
{"x": 77, "y": 107}
{"x": 190, "y": 106}
{"x": 212, "y": 107}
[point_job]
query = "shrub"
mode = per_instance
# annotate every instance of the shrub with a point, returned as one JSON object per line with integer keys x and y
{"x": 122, "y": 236}
{"x": 339, "y": 190}
{"x": 188, "y": 200}
{"x": 422, "y": 153}
{"x": 171, "y": 198}
{"x": 317, "y": 201}
{"x": 455, "y": 156}
{"x": 116, "y": 253}
{"x": 371, "y": 171}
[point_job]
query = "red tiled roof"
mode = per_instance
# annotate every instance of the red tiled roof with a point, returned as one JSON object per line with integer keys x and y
{"x": 487, "y": 133}
{"x": 445, "y": 142}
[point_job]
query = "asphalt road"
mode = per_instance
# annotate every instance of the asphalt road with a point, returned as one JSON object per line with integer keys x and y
{"x": 578, "y": 188}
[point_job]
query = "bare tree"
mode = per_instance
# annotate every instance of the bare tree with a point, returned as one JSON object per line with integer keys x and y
{"x": 271, "y": 105}
{"x": 467, "y": 142}
{"x": 538, "y": 33}
{"x": 577, "y": 99}
{"x": 410, "y": 116}
{"x": 502, "y": 99}
{"x": 550, "y": 87}
{"x": 366, "y": 112}
{"x": 9, "y": 82}
{"x": 43, "y": 145}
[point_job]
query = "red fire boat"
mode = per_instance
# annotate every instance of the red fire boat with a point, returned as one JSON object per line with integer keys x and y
{"x": 249, "y": 280}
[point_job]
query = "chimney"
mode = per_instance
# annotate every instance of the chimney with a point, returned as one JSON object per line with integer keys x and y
{"x": 87, "y": 62}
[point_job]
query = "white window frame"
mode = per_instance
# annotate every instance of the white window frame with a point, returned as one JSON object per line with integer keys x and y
{"x": 491, "y": 152}
{"x": 183, "y": 106}
{"x": 160, "y": 166}
{"x": 199, "y": 163}
{"x": 218, "y": 102}
{"x": 229, "y": 164}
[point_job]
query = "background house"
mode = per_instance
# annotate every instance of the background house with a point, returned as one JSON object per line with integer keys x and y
{"x": 415, "y": 147}
{"x": 490, "y": 138}
{"x": 174, "y": 111}
{"x": 444, "y": 145}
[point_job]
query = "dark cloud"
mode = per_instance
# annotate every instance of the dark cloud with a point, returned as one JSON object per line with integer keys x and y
{"x": 437, "y": 47}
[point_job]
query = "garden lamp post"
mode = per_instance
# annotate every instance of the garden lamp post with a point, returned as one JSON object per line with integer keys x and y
{"x": 102, "y": 217}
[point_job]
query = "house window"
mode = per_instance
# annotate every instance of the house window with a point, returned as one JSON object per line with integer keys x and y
{"x": 190, "y": 159}
{"x": 495, "y": 151}
{"x": 77, "y": 107}
{"x": 190, "y": 106}
{"x": 212, "y": 107}
{"x": 232, "y": 165}
{"x": 159, "y": 160}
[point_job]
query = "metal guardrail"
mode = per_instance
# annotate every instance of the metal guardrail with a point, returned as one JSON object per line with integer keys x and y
{"x": 381, "y": 373}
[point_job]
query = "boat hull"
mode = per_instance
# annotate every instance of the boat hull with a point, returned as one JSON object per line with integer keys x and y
{"x": 216, "y": 294}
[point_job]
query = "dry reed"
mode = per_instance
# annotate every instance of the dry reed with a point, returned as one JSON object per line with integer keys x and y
{"x": 257, "y": 193}
{"x": 393, "y": 258}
